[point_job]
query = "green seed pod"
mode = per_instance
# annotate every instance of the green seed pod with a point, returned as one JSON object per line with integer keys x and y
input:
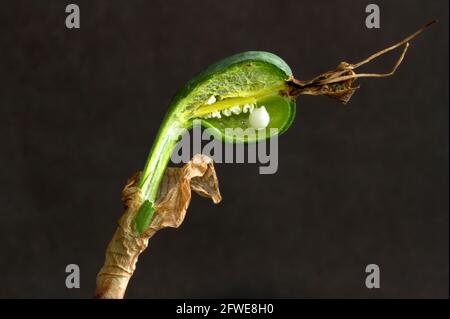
{"x": 224, "y": 95}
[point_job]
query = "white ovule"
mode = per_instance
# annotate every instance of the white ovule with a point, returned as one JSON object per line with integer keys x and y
{"x": 259, "y": 118}
{"x": 211, "y": 100}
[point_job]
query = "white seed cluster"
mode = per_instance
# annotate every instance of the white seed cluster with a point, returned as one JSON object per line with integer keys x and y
{"x": 258, "y": 117}
{"x": 234, "y": 110}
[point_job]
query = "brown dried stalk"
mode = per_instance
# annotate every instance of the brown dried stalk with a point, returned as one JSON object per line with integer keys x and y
{"x": 338, "y": 83}
{"x": 173, "y": 200}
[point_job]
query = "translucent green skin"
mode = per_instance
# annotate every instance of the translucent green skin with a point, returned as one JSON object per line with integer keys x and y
{"x": 242, "y": 74}
{"x": 249, "y": 75}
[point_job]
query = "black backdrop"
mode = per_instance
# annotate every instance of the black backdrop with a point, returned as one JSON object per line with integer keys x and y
{"x": 360, "y": 184}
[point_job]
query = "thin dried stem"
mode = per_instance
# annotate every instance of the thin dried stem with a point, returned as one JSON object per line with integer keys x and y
{"x": 338, "y": 83}
{"x": 366, "y": 75}
{"x": 395, "y": 46}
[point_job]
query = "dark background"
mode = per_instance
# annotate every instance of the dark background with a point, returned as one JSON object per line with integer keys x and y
{"x": 360, "y": 184}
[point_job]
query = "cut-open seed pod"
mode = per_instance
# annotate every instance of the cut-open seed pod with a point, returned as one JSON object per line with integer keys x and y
{"x": 226, "y": 93}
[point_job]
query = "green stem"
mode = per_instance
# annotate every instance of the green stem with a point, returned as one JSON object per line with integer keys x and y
{"x": 168, "y": 136}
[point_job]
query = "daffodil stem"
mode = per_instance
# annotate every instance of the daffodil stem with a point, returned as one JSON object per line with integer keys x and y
{"x": 166, "y": 139}
{"x": 157, "y": 161}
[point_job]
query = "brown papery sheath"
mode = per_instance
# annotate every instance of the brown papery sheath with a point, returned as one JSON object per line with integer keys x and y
{"x": 174, "y": 196}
